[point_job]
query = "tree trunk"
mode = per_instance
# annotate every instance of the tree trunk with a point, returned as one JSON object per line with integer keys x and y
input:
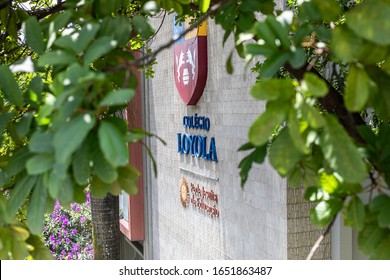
{"x": 105, "y": 227}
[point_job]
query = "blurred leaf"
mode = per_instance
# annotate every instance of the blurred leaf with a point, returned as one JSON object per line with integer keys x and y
{"x": 204, "y": 5}
{"x": 99, "y": 189}
{"x": 295, "y": 132}
{"x": 282, "y": 156}
{"x": 119, "y": 97}
{"x": 112, "y": 144}
{"x": 357, "y": 88}
{"x": 80, "y": 164}
{"x": 143, "y": 27}
{"x": 19, "y": 193}
{"x": 313, "y": 85}
{"x": 57, "y": 57}
{"x": 381, "y": 204}
{"x": 104, "y": 170}
{"x": 23, "y": 126}
{"x": 70, "y": 136}
{"x": 39, "y": 164}
{"x": 345, "y": 44}
{"x": 40, "y": 252}
{"x": 340, "y": 152}
{"x": 315, "y": 194}
{"x": 127, "y": 179}
{"x": 256, "y": 156}
{"x": 99, "y": 48}
{"x": 370, "y": 20}
{"x": 330, "y": 9}
{"x": 273, "y": 64}
{"x": 264, "y": 126}
{"x": 273, "y": 89}
{"x": 36, "y": 208}
{"x": 313, "y": 116}
{"x": 9, "y": 86}
{"x": 19, "y": 233}
{"x": 41, "y": 142}
{"x": 354, "y": 213}
{"x": 34, "y": 36}
{"x": 17, "y": 161}
{"x": 324, "y": 212}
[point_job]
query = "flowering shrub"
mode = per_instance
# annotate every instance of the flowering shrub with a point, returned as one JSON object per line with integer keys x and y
{"x": 68, "y": 232}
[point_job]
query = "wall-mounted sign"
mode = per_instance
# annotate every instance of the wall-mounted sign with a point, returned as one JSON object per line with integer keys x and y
{"x": 190, "y": 61}
{"x": 197, "y": 145}
{"x": 201, "y": 198}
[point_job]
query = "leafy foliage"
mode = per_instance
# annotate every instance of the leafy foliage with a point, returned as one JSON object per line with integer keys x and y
{"x": 63, "y": 78}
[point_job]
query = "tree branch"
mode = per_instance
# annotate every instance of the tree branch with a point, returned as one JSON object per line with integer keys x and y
{"x": 151, "y": 56}
{"x": 40, "y": 14}
{"x": 5, "y": 4}
{"x": 319, "y": 240}
{"x": 333, "y": 102}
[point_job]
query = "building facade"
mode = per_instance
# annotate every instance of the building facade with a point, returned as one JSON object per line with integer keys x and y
{"x": 195, "y": 207}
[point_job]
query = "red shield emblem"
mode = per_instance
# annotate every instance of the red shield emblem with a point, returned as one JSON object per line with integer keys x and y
{"x": 190, "y": 60}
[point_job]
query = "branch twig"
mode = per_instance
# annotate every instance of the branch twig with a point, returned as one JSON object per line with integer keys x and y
{"x": 319, "y": 240}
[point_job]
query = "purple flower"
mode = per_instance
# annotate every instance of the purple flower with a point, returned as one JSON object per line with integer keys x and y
{"x": 76, "y": 247}
{"x": 82, "y": 219}
{"x": 73, "y": 232}
{"x": 67, "y": 240}
{"x": 52, "y": 238}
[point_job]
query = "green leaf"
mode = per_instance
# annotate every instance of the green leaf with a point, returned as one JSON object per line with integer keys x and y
{"x": 324, "y": 212}
{"x": 80, "y": 165}
{"x": 204, "y": 5}
{"x": 39, "y": 164}
{"x": 69, "y": 136}
{"x": 273, "y": 63}
{"x": 41, "y": 142}
{"x": 9, "y": 86}
{"x": 256, "y": 49}
{"x": 264, "y": 126}
{"x": 17, "y": 161}
{"x": 19, "y": 193}
{"x": 370, "y": 238}
{"x": 354, "y": 213}
{"x": 86, "y": 35}
{"x": 127, "y": 179}
{"x": 23, "y": 126}
{"x": 57, "y": 57}
{"x": 295, "y": 132}
{"x": 357, "y": 88}
{"x": 19, "y": 233}
{"x": 313, "y": 85}
{"x": 34, "y": 36}
{"x": 143, "y": 27}
{"x": 282, "y": 155}
{"x": 104, "y": 170}
{"x": 99, "y": 48}
{"x": 273, "y": 89}
{"x": 119, "y": 97}
{"x": 65, "y": 195}
{"x": 112, "y": 143}
{"x": 340, "y": 152}
{"x": 18, "y": 249}
{"x": 99, "y": 188}
{"x": 381, "y": 204}
{"x": 4, "y": 119}
{"x": 36, "y": 208}
{"x": 257, "y": 156}
{"x": 313, "y": 116}
{"x": 345, "y": 44}
{"x": 315, "y": 194}
{"x": 297, "y": 58}
{"x": 40, "y": 252}
{"x": 118, "y": 27}
{"x": 330, "y": 9}
{"x": 229, "y": 65}
{"x": 370, "y": 20}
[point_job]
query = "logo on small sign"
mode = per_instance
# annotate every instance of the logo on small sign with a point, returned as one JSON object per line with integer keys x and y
{"x": 190, "y": 61}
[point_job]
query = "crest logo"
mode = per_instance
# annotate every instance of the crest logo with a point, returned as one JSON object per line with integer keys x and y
{"x": 184, "y": 192}
{"x": 190, "y": 61}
